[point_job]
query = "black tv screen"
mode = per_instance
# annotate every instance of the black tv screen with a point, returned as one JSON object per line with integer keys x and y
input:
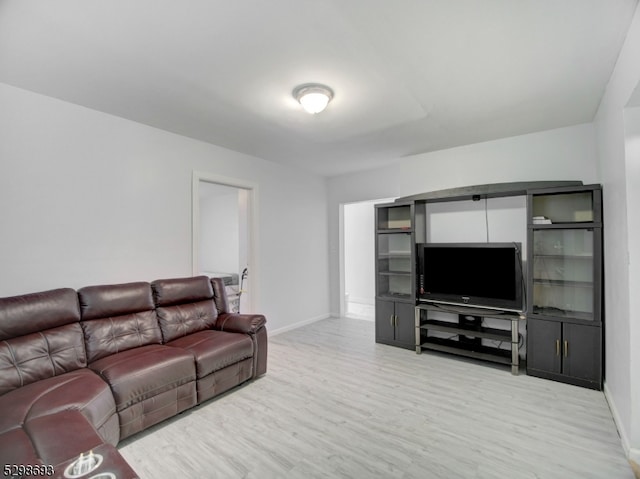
{"x": 486, "y": 275}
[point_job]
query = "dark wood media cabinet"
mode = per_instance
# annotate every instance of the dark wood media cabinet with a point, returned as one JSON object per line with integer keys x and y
{"x": 563, "y": 285}
{"x": 467, "y": 333}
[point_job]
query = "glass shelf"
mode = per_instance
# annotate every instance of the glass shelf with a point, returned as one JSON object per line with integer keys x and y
{"x": 563, "y": 272}
{"x": 395, "y": 286}
{"x": 394, "y": 265}
{"x": 394, "y": 245}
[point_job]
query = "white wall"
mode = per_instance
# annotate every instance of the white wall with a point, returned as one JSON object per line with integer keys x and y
{"x": 632, "y": 154}
{"x": 502, "y": 220}
{"x": 561, "y": 154}
{"x": 359, "y": 246}
{"x": 89, "y": 198}
{"x": 622, "y": 245}
{"x": 490, "y": 220}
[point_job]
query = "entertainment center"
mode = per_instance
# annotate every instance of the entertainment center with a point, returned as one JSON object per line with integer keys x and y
{"x": 473, "y": 299}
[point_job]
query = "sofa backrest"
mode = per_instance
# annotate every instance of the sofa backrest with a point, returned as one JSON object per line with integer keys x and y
{"x": 184, "y": 306}
{"x": 220, "y": 296}
{"x": 40, "y": 337}
{"x": 117, "y": 317}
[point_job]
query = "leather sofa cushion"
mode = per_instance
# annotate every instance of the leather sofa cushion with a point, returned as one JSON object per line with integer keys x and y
{"x": 168, "y": 292}
{"x": 114, "y": 300}
{"x": 33, "y": 357}
{"x": 215, "y": 350}
{"x": 31, "y": 313}
{"x": 117, "y": 318}
{"x": 16, "y": 448}
{"x": 60, "y": 436}
{"x": 178, "y": 321}
{"x": 49, "y": 439}
{"x": 104, "y": 337}
{"x": 81, "y": 390}
{"x": 141, "y": 373}
{"x": 184, "y": 306}
{"x": 56, "y": 418}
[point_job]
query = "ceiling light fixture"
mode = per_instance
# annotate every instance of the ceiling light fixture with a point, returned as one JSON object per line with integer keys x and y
{"x": 313, "y": 97}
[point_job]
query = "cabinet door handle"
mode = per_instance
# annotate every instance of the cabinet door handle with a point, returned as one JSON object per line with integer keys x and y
{"x": 391, "y": 320}
{"x": 395, "y": 320}
{"x": 557, "y": 347}
{"x": 566, "y": 349}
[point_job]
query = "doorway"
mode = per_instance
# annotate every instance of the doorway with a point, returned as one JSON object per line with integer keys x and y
{"x": 224, "y": 236}
{"x": 357, "y": 268}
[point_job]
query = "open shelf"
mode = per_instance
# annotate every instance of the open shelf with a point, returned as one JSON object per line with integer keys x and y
{"x": 485, "y": 353}
{"x": 394, "y": 218}
{"x": 467, "y": 335}
{"x": 467, "y": 329}
{"x": 471, "y": 311}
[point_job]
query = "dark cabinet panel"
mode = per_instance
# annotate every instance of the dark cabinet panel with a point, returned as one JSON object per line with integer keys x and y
{"x": 395, "y": 323}
{"x": 566, "y": 352}
{"x": 544, "y": 340}
{"x": 581, "y": 351}
{"x": 406, "y": 324}
{"x": 385, "y": 330}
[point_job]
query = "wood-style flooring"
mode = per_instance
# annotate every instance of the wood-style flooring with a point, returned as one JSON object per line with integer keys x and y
{"x": 334, "y": 404}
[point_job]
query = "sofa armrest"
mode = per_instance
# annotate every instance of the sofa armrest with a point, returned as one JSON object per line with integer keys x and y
{"x": 240, "y": 323}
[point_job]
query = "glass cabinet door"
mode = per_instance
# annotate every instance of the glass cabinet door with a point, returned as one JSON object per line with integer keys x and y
{"x": 394, "y": 265}
{"x": 563, "y": 273}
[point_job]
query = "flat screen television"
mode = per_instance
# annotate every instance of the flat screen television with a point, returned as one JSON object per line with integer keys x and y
{"x": 483, "y": 275}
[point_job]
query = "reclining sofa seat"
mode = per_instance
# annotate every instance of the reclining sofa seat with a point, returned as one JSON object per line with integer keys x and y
{"x": 58, "y": 408}
{"x": 150, "y": 382}
{"x": 189, "y": 320}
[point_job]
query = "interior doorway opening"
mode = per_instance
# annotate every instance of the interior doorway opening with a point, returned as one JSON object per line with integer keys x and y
{"x": 223, "y": 236}
{"x": 357, "y": 285}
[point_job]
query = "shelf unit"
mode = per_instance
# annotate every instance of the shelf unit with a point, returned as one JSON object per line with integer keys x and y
{"x": 395, "y": 273}
{"x": 466, "y": 334}
{"x": 564, "y": 282}
{"x": 564, "y": 328}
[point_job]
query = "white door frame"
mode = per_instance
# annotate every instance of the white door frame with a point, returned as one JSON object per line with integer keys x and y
{"x": 252, "y": 224}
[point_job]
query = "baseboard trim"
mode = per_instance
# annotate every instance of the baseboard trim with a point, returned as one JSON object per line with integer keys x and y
{"x": 361, "y": 300}
{"x": 633, "y": 454}
{"x": 299, "y": 324}
{"x": 634, "y": 460}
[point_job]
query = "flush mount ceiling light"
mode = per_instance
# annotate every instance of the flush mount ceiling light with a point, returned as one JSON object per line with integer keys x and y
{"x": 313, "y": 97}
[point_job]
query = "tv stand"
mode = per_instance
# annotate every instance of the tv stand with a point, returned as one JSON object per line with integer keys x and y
{"x": 465, "y": 336}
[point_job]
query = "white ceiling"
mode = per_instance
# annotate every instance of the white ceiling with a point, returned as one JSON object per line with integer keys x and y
{"x": 409, "y": 76}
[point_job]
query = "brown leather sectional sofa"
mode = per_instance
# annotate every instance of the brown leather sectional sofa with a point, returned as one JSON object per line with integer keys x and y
{"x": 82, "y": 370}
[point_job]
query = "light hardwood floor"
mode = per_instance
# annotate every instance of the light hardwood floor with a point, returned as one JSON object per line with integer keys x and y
{"x": 334, "y": 404}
